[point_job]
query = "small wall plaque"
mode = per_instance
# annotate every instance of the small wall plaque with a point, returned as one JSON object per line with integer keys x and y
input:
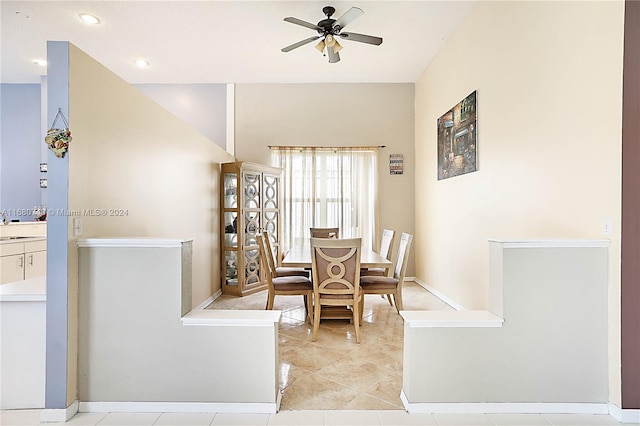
{"x": 43, "y": 167}
{"x": 43, "y": 183}
{"x": 396, "y": 164}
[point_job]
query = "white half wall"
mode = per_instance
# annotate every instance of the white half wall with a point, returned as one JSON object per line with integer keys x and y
{"x": 539, "y": 355}
{"x": 137, "y": 346}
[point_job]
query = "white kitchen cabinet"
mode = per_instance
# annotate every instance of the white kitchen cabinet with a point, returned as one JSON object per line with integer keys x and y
{"x": 11, "y": 268}
{"x": 35, "y": 264}
{"x": 22, "y": 259}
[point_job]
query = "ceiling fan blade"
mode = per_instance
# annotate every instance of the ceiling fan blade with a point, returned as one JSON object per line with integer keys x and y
{"x": 303, "y": 23}
{"x": 300, "y": 43}
{"x": 349, "y": 16}
{"x": 333, "y": 55}
{"x": 362, "y": 38}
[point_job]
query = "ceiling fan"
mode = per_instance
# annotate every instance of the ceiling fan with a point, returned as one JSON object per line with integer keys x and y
{"x": 329, "y": 29}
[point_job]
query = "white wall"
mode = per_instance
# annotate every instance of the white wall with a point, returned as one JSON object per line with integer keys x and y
{"x": 335, "y": 115}
{"x": 202, "y": 106}
{"x": 549, "y": 80}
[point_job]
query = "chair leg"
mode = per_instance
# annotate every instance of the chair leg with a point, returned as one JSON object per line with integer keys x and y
{"x": 308, "y": 307}
{"x": 398, "y": 299}
{"x": 316, "y": 321}
{"x": 270, "y": 299}
{"x": 388, "y": 298}
{"x": 356, "y": 318}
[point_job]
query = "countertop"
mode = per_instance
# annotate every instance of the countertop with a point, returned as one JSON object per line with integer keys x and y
{"x": 31, "y": 290}
{"x": 13, "y": 240}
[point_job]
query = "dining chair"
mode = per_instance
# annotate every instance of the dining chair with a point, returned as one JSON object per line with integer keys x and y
{"x": 292, "y": 285}
{"x": 335, "y": 267}
{"x": 282, "y": 271}
{"x": 324, "y": 232}
{"x": 391, "y": 285}
{"x": 386, "y": 251}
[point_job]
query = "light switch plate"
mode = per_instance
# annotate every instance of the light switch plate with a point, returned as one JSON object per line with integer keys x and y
{"x": 77, "y": 227}
{"x": 607, "y": 227}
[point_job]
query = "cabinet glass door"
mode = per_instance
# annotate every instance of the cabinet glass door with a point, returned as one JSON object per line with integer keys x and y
{"x": 252, "y": 266}
{"x": 251, "y": 190}
{"x": 230, "y": 190}
{"x": 231, "y": 267}
{"x": 270, "y": 210}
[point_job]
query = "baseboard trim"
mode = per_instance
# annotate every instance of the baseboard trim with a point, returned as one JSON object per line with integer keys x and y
{"x": 209, "y": 301}
{"x": 59, "y": 415}
{"x": 439, "y": 295}
{"x": 624, "y": 415}
{"x": 504, "y": 407}
{"x": 177, "y": 407}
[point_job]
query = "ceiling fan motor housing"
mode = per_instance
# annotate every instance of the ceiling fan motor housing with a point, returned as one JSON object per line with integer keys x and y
{"x": 326, "y": 25}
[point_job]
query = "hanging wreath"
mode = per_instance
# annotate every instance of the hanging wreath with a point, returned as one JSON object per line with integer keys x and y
{"x": 58, "y": 139}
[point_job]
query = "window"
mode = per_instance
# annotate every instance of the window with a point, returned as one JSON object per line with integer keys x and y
{"x": 327, "y": 187}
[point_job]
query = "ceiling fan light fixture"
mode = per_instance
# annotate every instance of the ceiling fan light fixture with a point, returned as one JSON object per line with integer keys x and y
{"x": 320, "y": 46}
{"x": 329, "y": 40}
{"x": 336, "y": 47}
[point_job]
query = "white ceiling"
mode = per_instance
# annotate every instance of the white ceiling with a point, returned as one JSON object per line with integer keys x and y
{"x": 215, "y": 41}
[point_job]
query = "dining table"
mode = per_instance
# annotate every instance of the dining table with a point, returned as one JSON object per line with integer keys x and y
{"x": 300, "y": 257}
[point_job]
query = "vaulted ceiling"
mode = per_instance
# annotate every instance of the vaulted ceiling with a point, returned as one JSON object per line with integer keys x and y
{"x": 214, "y": 41}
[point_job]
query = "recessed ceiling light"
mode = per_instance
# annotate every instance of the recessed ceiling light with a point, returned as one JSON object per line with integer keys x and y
{"x": 142, "y": 63}
{"x": 40, "y": 62}
{"x": 89, "y": 19}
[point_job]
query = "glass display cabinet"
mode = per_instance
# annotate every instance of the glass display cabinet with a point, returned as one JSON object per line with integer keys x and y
{"x": 250, "y": 200}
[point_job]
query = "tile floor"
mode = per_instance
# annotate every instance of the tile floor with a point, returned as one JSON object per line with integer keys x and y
{"x": 336, "y": 373}
{"x": 333, "y": 381}
{"x": 311, "y": 418}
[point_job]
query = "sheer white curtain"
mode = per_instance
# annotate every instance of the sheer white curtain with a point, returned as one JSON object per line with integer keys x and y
{"x": 328, "y": 187}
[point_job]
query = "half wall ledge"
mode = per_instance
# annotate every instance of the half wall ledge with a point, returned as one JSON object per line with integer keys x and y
{"x": 142, "y": 348}
{"x": 541, "y": 345}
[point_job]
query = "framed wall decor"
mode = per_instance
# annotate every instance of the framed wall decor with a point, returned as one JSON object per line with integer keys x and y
{"x": 396, "y": 164}
{"x": 457, "y": 139}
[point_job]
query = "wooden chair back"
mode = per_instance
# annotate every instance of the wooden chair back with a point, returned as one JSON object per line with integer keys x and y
{"x": 294, "y": 284}
{"x": 335, "y": 265}
{"x": 325, "y": 232}
{"x": 266, "y": 256}
{"x": 386, "y": 243}
{"x": 403, "y": 256}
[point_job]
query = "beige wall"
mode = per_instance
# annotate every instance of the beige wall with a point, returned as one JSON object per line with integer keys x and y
{"x": 548, "y": 77}
{"x": 335, "y": 115}
{"x": 129, "y": 153}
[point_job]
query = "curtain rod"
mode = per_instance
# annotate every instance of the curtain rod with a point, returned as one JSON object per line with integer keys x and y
{"x": 326, "y": 148}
